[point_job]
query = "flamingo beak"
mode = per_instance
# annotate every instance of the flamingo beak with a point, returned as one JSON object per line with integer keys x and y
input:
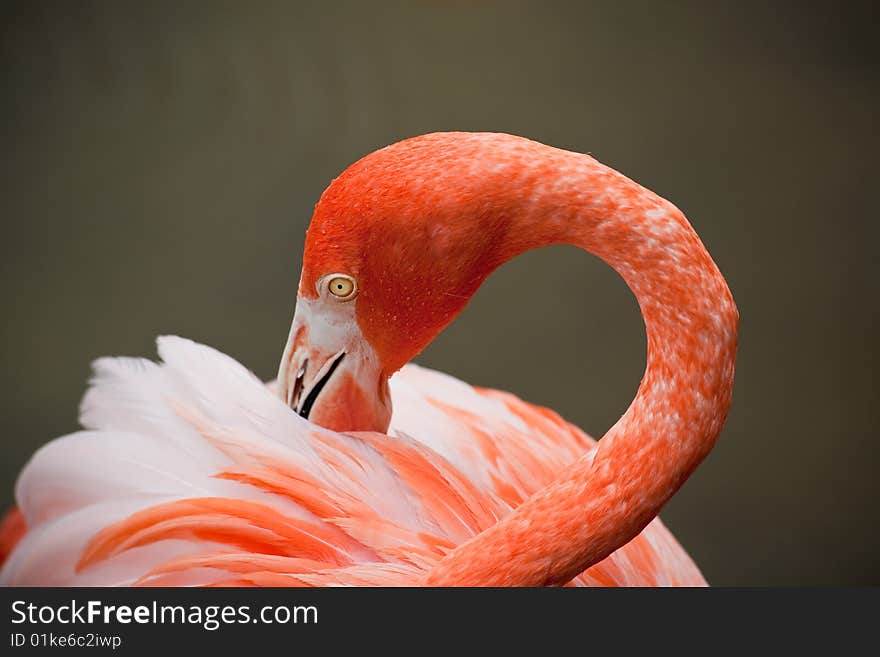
{"x": 330, "y": 376}
{"x": 302, "y": 395}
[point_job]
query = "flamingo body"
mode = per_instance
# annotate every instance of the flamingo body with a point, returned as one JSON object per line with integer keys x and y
{"x": 206, "y": 477}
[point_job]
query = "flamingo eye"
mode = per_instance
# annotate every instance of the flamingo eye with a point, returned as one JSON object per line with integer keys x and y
{"x": 341, "y": 286}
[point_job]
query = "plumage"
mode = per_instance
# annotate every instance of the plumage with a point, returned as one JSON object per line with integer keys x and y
{"x": 355, "y": 468}
{"x": 221, "y": 483}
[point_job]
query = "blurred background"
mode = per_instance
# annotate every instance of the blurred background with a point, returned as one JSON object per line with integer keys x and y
{"x": 161, "y": 162}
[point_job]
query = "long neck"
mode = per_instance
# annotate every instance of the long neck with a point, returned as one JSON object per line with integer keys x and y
{"x": 605, "y": 498}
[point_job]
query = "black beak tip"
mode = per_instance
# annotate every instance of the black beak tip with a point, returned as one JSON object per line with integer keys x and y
{"x": 309, "y": 402}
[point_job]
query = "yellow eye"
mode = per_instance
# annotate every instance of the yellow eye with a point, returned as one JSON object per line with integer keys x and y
{"x": 342, "y": 287}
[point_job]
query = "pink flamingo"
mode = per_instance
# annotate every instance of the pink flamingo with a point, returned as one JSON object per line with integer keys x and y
{"x": 194, "y": 472}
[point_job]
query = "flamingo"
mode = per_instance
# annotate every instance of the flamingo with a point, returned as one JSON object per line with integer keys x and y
{"x": 357, "y": 468}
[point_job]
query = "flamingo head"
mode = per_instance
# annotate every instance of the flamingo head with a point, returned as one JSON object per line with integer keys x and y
{"x": 397, "y": 246}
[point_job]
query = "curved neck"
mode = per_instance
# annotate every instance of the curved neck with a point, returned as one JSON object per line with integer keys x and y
{"x": 607, "y": 497}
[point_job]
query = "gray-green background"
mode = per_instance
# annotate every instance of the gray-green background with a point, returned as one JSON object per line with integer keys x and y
{"x": 161, "y": 160}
